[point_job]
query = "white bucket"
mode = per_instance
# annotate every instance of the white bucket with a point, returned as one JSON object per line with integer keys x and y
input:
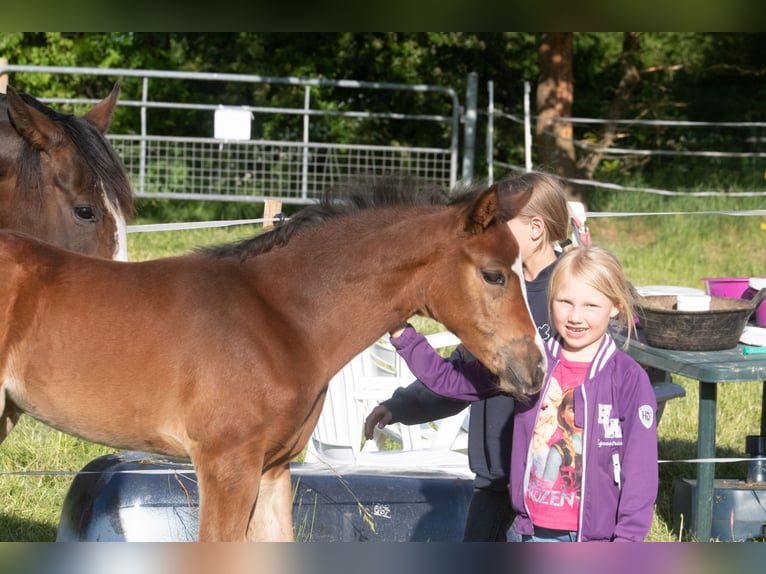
{"x": 693, "y": 303}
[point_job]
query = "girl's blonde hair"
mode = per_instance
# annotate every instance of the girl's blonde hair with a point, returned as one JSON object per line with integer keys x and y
{"x": 600, "y": 269}
{"x": 548, "y": 202}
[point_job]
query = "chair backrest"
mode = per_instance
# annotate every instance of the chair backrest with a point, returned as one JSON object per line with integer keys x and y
{"x": 368, "y": 379}
{"x": 580, "y": 231}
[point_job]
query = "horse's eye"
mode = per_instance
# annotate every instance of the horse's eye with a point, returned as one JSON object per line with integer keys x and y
{"x": 493, "y": 277}
{"x": 85, "y": 213}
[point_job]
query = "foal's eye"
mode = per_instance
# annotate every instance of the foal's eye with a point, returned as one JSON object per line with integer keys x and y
{"x": 85, "y": 213}
{"x": 493, "y": 277}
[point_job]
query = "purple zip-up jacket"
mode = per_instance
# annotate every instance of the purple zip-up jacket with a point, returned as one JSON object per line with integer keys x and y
{"x": 616, "y": 408}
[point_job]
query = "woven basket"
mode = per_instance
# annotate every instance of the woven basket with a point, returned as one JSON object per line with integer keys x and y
{"x": 713, "y": 330}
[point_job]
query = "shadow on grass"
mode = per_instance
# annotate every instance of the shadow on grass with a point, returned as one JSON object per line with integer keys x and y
{"x": 14, "y": 529}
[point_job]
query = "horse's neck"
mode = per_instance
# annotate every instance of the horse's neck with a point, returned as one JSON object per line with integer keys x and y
{"x": 355, "y": 282}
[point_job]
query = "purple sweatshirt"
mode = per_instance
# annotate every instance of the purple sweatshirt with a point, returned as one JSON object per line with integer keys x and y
{"x": 615, "y": 406}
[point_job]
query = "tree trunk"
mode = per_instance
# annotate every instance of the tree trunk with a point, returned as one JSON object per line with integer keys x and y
{"x": 555, "y": 97}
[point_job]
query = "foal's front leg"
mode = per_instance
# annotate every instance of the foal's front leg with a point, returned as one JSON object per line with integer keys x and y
{"x": 273, "y": 516}
{"x": 228, "y": 484}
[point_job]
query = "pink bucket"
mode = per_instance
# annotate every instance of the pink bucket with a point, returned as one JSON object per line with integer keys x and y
{"x": 756, "y": 284}
{"x": 732, "y": 287}
{"x": 737, "y": 288}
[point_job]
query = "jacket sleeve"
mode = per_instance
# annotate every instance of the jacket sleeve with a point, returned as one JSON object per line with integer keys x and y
{"x": 466, "y": 380}
{"x": 640, "y": 469}
{"x": 416, "y": 404}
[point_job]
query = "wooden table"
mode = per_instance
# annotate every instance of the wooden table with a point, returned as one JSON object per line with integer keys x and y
{"x": 710, "y": 368}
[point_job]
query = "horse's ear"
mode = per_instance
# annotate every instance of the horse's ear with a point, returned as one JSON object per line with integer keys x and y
{"x": 100, "y": 115}
{"x": 33, "y": 125}
{"x": 483, "y": 211}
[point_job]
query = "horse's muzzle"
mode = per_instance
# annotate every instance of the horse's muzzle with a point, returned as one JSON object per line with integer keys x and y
{"x": 524, "y": 369}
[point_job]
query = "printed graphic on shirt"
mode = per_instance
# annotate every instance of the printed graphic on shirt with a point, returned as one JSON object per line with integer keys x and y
{"x": 545, "y": 331}
{"x": 555, "y": 474}
{"x": 646, "y": 415}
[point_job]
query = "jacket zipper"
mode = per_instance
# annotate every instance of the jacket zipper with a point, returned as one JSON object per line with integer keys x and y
{"x": 584, "y": 449}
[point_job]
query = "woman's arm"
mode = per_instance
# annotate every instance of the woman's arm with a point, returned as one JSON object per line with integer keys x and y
{"x": 462, "y": 380}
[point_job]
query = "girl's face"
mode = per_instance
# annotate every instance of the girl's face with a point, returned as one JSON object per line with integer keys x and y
{"x": 581, "y": 316}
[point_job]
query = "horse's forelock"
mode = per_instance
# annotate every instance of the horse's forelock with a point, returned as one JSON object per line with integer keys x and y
{"x": 103, "y": 162}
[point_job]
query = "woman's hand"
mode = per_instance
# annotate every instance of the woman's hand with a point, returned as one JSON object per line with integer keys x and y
{"x": 381, "y": 416}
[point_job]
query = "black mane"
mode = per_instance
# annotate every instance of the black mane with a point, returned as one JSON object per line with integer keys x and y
{"x": 345, "y": 199}
{"x": 98, "y": 154}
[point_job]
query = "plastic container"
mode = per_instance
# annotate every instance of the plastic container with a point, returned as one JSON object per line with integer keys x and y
{"x": 739, "y": 509}
{"x": 719, "y": 328}
{"x": 755, "y": 447}
{"x": 693, "y": 303}
{"x": 733, "y": 287}
{"x": 755, "y": 284}
{"x": 139, "y": 497}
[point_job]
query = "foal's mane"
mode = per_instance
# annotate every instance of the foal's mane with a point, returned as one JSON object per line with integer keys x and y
{"x": 98, "y": 154}
{"x": 343, "y": 200}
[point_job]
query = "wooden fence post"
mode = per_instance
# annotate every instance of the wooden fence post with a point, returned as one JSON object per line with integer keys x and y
{"x": 271, "y": 208}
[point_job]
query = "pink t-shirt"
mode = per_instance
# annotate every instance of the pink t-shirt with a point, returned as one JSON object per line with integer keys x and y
{"x": 553, "y": 491}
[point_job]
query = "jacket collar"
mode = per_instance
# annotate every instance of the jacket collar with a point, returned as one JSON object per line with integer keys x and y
{"x": 606, "y": 349}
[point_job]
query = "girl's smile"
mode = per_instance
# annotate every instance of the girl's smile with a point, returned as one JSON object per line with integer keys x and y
{"x": 581, "y": 315}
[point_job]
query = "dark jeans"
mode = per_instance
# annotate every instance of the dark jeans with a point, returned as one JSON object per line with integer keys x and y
{"x": 489, "y": 516}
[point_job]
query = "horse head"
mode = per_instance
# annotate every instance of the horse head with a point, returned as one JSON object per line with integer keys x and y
{"x": 61, "y": 179}
{"x": 486, "y": 302}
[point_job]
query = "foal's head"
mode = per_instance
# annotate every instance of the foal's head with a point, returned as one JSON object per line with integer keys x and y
{"x": 481, "y": 295}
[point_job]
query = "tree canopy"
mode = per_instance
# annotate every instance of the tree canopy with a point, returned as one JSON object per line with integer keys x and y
{"x": 614, "y": 75}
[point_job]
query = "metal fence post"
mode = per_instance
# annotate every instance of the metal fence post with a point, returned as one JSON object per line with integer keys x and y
{"x": 305, "y": 167}
{"x": 469, "y": 146}
{"x": 527, "y": 129}
{"x": 490, "y": 132}
{"x": 142, "y": 144}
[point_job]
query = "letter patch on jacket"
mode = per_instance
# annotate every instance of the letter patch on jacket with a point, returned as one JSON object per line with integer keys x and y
{"x": 611, "y": 426}
{"x": 646, "y": 415}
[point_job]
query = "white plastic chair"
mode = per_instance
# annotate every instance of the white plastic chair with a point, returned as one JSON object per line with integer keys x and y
{"x": 368, "y": 379}
{"x": 580, "y": 232}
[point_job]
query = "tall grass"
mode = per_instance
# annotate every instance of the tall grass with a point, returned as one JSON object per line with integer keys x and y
{"x": 675, "y": 250}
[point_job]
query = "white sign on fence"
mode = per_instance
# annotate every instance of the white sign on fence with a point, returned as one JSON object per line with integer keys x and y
{"x": 232, "y": 124}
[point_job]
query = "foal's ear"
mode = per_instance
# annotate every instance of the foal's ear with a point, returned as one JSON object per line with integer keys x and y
{"x": 483, "y": 211}
{"x": 33, "y": 125}
{"x": 100, "y": 115}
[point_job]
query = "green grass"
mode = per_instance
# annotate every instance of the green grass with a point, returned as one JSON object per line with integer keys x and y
{"x": 676, "y": 250}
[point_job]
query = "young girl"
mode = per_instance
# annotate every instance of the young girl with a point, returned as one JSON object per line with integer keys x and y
{"x": 611, "y": 487}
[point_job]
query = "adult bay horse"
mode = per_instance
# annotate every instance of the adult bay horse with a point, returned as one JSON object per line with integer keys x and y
{"x": 224, "y": 355}
{"x": 60, "y": 179}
